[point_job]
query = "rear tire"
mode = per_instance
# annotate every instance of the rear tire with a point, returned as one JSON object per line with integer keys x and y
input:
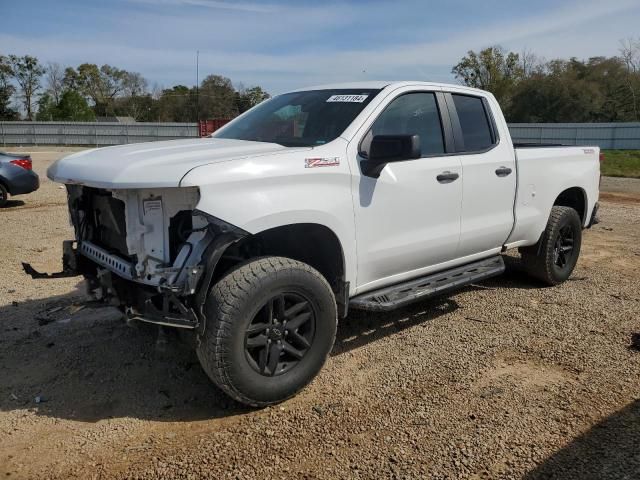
{"x": 554, "y": 257}
{"x": 270, "y": 326}
{"x": 4, "y": 196}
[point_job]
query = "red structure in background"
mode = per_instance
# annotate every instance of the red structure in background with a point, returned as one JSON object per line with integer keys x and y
{"x": 207, "y": 127}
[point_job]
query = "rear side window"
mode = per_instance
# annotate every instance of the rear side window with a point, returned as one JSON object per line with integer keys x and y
{"x": 413, "y": 114}
{"x": 474, "y": 123}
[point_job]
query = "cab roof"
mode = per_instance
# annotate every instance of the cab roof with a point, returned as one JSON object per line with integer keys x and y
{"x": 379, "y": 85}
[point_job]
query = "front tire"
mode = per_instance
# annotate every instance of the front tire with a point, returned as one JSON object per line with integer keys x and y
{"x": 270, "y": 326}
{"x": 554, "y": 257}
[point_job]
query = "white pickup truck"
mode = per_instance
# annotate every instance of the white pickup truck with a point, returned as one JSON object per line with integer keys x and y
{"x": 367, "y": 195}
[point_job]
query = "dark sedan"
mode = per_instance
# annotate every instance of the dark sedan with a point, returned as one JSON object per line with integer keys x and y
{"x": 16, "y": 176}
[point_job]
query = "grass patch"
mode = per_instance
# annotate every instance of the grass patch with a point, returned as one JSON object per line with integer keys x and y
{"x": 621, "y": 163}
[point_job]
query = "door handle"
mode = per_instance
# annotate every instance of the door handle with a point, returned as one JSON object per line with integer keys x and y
{"x": 503, "y": 171}
{"x": 447, "y": 177}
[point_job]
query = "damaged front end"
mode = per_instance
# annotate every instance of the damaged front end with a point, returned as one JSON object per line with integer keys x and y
{"x": 146, "y": 251}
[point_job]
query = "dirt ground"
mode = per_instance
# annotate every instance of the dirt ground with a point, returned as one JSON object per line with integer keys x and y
{"x": 502, "y": 380}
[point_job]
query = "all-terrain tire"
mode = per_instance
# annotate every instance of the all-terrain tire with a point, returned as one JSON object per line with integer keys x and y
{"x": 549, "y": 260}
{"x": 232, "y": 307}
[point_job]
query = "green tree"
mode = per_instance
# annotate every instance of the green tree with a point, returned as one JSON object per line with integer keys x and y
{"x": 27, "y": 72}
{"x": 70, "y": 79}
{"x": 217, "y": 98}
{"x": 491, "y": 69}
{"x": 574, "y": 90}
{"x": 248, "y": 98}
{"x": 101, "y": 85}
{"x": 73, "y": 107}
{"x": 47, "y": 108}
{"x": 176, "y": 104}
{"x": 6, "y": 91}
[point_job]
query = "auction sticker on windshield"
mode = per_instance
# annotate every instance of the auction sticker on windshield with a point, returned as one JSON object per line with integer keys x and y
{"x": 347, "y": 98}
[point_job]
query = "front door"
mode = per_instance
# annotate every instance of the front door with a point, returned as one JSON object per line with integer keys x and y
{"x": 408, "y": 219}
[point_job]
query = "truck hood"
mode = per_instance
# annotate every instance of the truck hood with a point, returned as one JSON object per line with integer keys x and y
{"x": 150, "y": 165}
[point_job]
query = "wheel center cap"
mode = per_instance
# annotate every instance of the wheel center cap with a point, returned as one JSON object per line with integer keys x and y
{"x": 275, "y": 333}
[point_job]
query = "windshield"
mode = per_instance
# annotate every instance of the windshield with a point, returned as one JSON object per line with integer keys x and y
{"x": 300, "y": 118}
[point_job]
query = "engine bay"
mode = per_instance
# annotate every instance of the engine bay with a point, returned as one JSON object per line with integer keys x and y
{"x": 150, "y": 236}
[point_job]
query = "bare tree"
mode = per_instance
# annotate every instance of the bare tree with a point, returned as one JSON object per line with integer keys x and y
{"x": 134, "y": 84}
{"x": 54, "y": 78}
{"x": 27, "y": 72}
{"x": 630, "y": 53}
{"x": 156, "y": 91}
{"x": 530, "y": 63}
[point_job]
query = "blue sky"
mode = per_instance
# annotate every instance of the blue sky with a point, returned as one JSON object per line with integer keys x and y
{"x": 283, "y": 44}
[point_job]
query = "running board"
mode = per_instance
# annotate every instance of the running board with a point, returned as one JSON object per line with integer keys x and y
{"x": 396, "y": 296}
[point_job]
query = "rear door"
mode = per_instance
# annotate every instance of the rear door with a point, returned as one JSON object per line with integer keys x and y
{"x": 489, "y": 174}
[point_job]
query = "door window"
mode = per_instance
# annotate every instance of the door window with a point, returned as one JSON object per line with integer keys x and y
{"x": 474, "y": 123}
{"x": 413, "y": 114}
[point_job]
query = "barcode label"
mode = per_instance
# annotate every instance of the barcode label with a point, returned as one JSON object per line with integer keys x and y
{"x": 347, "y": 98}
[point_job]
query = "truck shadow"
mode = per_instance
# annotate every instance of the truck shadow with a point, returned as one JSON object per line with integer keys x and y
{"x": 65, "y": 359}
{"x": 13, "y": 203}
{"x": 362, "y": 327}
{"x": 610, "y": 449}
{"x": 515, "y": 277}
{"x": 90, "y": 365}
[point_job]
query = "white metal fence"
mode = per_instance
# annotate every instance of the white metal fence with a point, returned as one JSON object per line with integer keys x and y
{"x": 622, "y": 136}
{"x": 91, "y": 133}
{"x": 612, "y": 136}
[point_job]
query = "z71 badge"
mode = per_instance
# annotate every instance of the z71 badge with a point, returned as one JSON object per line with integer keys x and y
{"x": 321, "y": 162}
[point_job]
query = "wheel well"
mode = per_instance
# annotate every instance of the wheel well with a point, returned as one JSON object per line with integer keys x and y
{"x": 575, "y": 198}
{"x": 313, "y": 244}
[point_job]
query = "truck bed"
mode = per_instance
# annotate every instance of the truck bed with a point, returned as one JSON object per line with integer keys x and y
{"x": 542, "y": 172}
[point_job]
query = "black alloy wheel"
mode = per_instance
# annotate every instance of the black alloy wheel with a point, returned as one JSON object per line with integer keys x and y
{"x": 563, "y": 249}
{"x": 280, "y": 334}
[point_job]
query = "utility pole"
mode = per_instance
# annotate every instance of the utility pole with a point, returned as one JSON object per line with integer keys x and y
{"x": 198, "y": 86}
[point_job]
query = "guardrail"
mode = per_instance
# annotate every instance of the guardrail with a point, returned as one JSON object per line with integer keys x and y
{"x": 623, "y": 136}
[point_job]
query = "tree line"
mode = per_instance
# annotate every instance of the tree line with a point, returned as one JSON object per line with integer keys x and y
{"x": 54, "y": 92}
{"x": 532, "y": 89}
{"x": 529, "y": 89}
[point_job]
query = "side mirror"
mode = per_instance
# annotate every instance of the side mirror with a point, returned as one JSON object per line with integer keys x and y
{"x": 389, "y": 148}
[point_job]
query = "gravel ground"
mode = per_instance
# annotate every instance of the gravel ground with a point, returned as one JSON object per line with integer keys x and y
{"x": 621, "y": 185}
{"x": 501, "y": 380}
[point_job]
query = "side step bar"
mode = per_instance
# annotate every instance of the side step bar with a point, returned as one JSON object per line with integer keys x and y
{"x": 396, "y": 296}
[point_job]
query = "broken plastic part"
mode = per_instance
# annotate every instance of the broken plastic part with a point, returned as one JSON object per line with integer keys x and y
{"x": 69, "y": 264}
{"x": 29, "y": 270}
